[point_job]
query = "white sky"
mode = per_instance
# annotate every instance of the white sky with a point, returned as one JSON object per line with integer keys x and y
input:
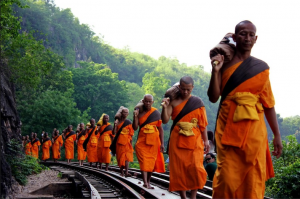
{"x": 189, "y": 29}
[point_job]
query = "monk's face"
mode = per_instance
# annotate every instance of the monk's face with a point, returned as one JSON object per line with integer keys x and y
{"x": 245, "y": 37}
{"x": 125, "y": 113}
{"x": 70, "y": 127}
{"x": 105, "y": 119}
{"x": 185, "y": 89}
{"x": 55, "y": 133}
{"x": 27, "y": 137}
{"x": 148, "y": 102}
{"x": 92, "y": 123}
{"x": 81, "y": 126}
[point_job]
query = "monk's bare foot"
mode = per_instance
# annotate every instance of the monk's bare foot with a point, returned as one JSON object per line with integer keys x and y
{"x": 106, "y": 169}
{"x": 127, "y": 175}
{"x": 150, "y": 187}
{"x": 145, "y": 185}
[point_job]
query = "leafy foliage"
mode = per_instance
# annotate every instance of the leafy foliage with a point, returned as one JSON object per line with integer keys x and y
{"x": 21, "y": 165}
{"x": 285, "y": 184}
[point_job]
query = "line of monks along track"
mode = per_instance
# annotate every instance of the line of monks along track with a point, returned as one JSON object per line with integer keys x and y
{"x": 243, "y": 162}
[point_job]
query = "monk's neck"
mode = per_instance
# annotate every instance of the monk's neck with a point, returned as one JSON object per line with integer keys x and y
{"x": 186, "y": 98}
{"x": 241, "y": 56}
{"x": 122, "y": 119}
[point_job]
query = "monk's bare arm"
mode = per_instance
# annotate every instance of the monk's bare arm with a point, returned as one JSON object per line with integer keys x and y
{"x": 272, "y": 120}
{"x": 166, "y": 110}
{"x": 205, "y": 140}
{"x": 135, "y": 123}
{"x": 161, "y": 137}
{"x": 114, "y": 131}
{"x": 214, "y": 89}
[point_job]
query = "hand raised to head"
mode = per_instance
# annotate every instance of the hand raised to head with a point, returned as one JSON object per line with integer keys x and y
{"x": 217, "y": 62}
{"x": 165, "y": 102}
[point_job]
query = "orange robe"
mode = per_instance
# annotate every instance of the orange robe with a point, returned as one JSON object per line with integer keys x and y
{"x": 35, "y": 149}
{"x": 186, "y": 152}
{"x": 104, "y": 143}
{"x": 148, "y": 144}
{"x": 45, "y": 147}
{"x": 124, "y": 150}
{"x": 243, "y": 156}
{"x": 91, "y": 147}
{"x": 58, "y": 142}
{"x": 69, "y": 146}
{"x": 81, "y": 154}
{"x": 28, "y": 147}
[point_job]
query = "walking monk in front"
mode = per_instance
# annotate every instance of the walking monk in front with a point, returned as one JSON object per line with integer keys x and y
{"x": 122, "y": 144}
{"x": 46, "y": 147}
{"x": 81, "y": 136}
{"x": 243, "y": 156}
{"x": 27, "y": 145}
{"x": 70, "y": 137}
{"x": 188, "y": 139}
{"x": 91, "y": 142}
{"x": 35, "y": 143}
{"x": 57, "y": 143}
{"x": 149, "y": 147}
{"x": 104, "y": 141}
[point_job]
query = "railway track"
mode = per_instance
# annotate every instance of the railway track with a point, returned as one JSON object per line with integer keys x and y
{"x": 111, "y": 185}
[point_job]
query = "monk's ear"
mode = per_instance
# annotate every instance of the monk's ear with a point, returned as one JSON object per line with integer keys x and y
{"x": 152, "y": 102}
{"x": 256, "y": 38}
{"x": 234, "y": 37}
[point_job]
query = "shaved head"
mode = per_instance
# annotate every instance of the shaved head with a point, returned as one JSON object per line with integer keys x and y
{"x": 237, "y": 27}
{"x": 187, "y": 80}
{"x": 148, "y": 96}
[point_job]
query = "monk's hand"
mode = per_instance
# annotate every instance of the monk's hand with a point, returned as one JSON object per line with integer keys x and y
{"x": 165, "y": 102}
{"x": 277, "y": 146}
{"x": 217, "y": 62}
{"x": 162, "y": 148}
{"x": 136, "y": 113}
{"x": 116, "y": 122}
{"x": 206, "y": 146}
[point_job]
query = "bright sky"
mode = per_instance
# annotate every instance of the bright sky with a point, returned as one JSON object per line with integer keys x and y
{"x": 189, "y": 29}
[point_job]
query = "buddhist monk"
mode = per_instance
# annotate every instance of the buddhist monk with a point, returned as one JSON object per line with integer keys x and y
{"x": 46, "y": 144}
{"x": 28, "y": 145}
{"x": 90, "y": 144}
{"x": 35, "y": 143}
{"x": 149, "y": 146}
{"x": 188, "y": 139}
{"x": 70, "y": 137}
{"x": 104, "y": 142}
{"x": 122, "y": 143}
{"x": 57, "y": 143}
{"x": 81, "y": 136}
{"x": 243, "y": 156}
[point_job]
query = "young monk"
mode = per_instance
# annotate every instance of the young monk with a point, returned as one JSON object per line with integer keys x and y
{"x": 122, "y": 144}
{"x": 243, "y": 156}
{"x": 81, "y": 136}
{"x": 90, "y": 144}
{"x": 28, "y": 145}
{"x": 104, "y": 142}
{"x": 149, "y": 146}
{"x": 188, "y": 138}
{"x": 46, "y": 144}
{"x": 69, "y": 137}
{"x": 57, "y": 143}
{"x": 35, "y": 143}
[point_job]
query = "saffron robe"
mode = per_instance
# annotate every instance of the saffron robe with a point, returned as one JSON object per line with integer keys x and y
{"x": 81, "y": 154}
{"x": 28, "y": 147}
{"x": 69, "y": 145}
{"x": 186, "y": 152}
{"x": 45, "y": 148}
{"x": 35, "y": 148}
{"x": 124, "y": 149}
{"x": 148, "y": 144}
{"x": 58, "y": 142}
{"x": 243, "y": 156}
{"x": 104, "y": 142}
{"x": 91, "y": 147}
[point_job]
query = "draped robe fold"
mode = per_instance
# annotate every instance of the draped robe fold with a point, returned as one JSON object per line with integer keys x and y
{"x": 148, "y": 144}
{"x": 124, "y": 150}
{"x": 91, "y": 148}
{"x": 69, "y": 145}
{"x": 186, "y": 152}
{"x": 58, "y": 142}
{"x": 104, "y": 142}
{"x": 243, "y": 156}
{"x": 46, "y": 149}
{"x": 28, "y": 147}
{"x": 35, "y": 148}
{"x": 81, "y": 154}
